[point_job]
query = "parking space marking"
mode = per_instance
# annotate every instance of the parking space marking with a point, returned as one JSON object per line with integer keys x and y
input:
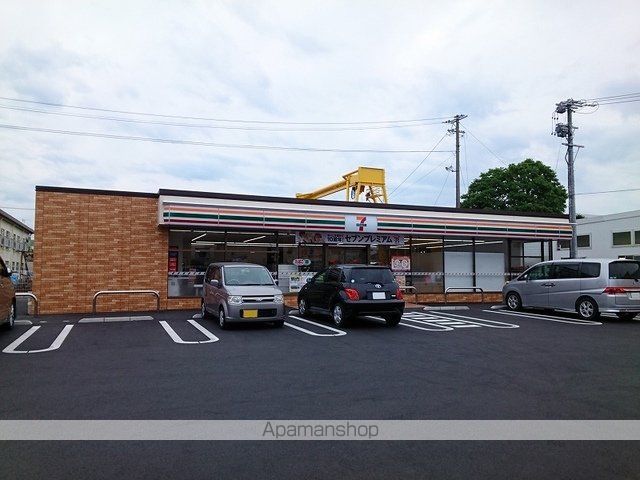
{"x": 211, "y": 338}
{"x": 446, "y": 322}
{"x": 479, "y": 321}
{"x": 424, "y": 319}
{"x": 22, "y": 338}
{"x": 338, "y": 333}
{"x": 549, "y": 318}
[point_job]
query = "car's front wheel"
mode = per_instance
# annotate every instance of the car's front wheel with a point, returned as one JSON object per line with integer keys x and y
{"x": 513, "y": 301}
{"x": 222, "y": 319}
{"x": 303, "y": 308}
{"x": 11, "y": 319}
{"x": 339, "y": 315}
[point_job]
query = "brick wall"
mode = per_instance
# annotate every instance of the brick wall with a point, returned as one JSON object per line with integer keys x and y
{"x": 90, "y": 242}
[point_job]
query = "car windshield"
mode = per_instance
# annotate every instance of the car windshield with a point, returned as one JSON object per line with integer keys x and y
{"x": 370, "y": 275}
{"x": 247, "y": 276}
{"x": 624, "y": 270}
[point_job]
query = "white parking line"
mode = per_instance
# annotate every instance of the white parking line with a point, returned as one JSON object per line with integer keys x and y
{"x": 54, "y": 346}
{"x": 439, "y": 329}
{"x": 338, "y": 333}
{"x": 550, "y": 318}
{"x": 480, "y": 321}
{"x": 176, "y": 338}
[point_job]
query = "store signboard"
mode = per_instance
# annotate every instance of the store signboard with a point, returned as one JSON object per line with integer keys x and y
{"x": 350, "y": 238}
{"x": 360, "y": 223}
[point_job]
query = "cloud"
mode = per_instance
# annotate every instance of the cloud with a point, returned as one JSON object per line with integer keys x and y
{"x": 504, "y": 64}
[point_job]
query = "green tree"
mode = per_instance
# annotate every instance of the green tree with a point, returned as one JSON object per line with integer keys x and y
{"x": 528, "y": 186}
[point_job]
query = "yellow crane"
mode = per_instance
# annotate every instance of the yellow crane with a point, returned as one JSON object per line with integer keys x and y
{"x": 365, "y": 181}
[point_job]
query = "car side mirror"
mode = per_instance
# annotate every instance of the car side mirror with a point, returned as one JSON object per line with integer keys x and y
{"x": 309, "y": 279}
{"x": 275, "y": 280}
{"x": 214, "y": 283}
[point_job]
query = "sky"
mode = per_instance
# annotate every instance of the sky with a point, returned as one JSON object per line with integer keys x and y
{"x": 505, "y": 64}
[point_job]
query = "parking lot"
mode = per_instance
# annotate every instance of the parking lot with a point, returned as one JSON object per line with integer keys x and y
{"x": 451, "y": 364}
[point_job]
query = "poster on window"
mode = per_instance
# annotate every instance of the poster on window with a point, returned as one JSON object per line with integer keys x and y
{"x": 401, "y": 263}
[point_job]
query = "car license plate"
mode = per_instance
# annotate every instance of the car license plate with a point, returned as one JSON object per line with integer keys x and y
{"x": 634, "y": 295}
{"x": 378, "y": 295}
{"x": 250, "y": 313}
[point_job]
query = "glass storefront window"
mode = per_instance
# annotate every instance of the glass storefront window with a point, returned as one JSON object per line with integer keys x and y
{"x": 525, "y": 254}
{"x": 490, "y": 264}
{"x": 458, "y": 262}
{"x": 190, "y": 252}
{"x": 427, "y": 269}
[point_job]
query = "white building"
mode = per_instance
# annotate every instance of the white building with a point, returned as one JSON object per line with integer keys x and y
{"x": 15, "y": 238}
{"x": 606, "y": 236}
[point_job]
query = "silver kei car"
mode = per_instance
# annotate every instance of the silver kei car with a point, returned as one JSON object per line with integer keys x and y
{"x": 586, "y": 286}
{"x": 241, "y": 293}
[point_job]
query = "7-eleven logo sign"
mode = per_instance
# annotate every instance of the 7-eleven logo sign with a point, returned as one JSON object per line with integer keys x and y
{"x": 360, "y": 223}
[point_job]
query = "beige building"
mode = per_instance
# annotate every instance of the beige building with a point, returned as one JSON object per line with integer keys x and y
{"x": 15, "y": 239}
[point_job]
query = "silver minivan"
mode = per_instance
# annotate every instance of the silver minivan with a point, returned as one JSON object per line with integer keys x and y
{"x": 586, "y": 286}
{"x": 241, "y": 292}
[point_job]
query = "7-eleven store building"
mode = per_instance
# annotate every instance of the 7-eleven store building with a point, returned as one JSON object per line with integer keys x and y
{"x": 92, "y": 240}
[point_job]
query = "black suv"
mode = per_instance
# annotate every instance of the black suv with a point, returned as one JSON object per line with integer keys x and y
{"x": 345, "y": 291}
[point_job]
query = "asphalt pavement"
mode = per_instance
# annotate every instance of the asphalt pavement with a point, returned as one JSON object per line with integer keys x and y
{"x": 474, "y": 364}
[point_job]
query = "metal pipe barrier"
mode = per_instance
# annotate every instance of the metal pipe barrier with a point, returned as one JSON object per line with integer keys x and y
{"x": 475, "y": 289}
{"x": 30, "y": 295}
{"x": 126, "y": 292}
{"x": 408, "y": 287}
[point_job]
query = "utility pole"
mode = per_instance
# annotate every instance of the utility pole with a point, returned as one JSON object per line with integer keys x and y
{"x": 569, "y": 106}
{"x": 456, "y": 120}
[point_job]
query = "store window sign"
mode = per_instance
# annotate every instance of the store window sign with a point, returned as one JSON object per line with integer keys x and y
{"x": 361, "y": 223}
{"x": 401, "y": 264}
{"x": 349, "y": 238}
{"x": 302, "y": 262}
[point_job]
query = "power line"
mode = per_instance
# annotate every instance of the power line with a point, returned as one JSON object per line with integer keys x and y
{"x": 210, "y": 144}
{"x": 223, "y": 127}
{"x": 447, "y": 159}
{"x": 610, "y": 191}
{"x": 225, "y": 120}
{"x": 621, "y": 101}
{"x": 445, "y": 182}
{"x": 419, "y": 164}
{"x": 487, "y": 148}
{"x": 624, "y": 95}
{"x": 466, "y": 164}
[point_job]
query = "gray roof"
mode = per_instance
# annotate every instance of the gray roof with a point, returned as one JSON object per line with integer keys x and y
{"x": 15, "y": 221}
